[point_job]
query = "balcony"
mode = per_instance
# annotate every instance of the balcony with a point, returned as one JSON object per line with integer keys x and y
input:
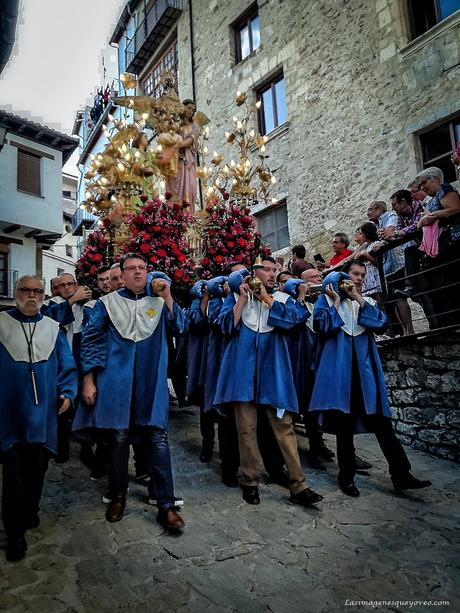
{"x": 82, "y": 219}
{"x": 157, "y": 24}
{"x": 8, "y": 278}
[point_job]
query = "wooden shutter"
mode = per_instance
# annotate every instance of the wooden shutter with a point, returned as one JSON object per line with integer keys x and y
{"x": 29, "y": 173}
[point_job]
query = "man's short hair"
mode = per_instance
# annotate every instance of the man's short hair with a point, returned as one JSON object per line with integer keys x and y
{"x": 68, "y": 274}
{"x": 299, "y": 251}
{"x": 24, "y": 277}
{"x": 349, "y": 265}
{"x": 116, "y": 265}
{"x": 431, "y": 173}
{"x": 131, "y": 256}
{"x": 268, "y": 258}
{"x": 102, "y": 269}
{"x": 402, "y": 194}
{"x": 378, "y": 204}
{"x": 283, "y": 272}
{"x": 343, "y": 237}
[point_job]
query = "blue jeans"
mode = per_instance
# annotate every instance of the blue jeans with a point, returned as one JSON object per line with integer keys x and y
{"x": 155, "y": 441}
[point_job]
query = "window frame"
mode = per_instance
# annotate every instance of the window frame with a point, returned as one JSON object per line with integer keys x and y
{"x": 272, "y": 210}
{"x": 159, "y": 67}
{"x": 238, "y": 26}
{"x": 412, "y": 21}
{"x": 428, "y": 162}
{"x": 69, "y": 251}
{"x": 260, "y": 91}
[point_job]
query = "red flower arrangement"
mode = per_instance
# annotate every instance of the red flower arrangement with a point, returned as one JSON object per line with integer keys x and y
{"x": 231, "y": 237}
{"x": 95, "y": 254}
{"x": 157, "y": 231}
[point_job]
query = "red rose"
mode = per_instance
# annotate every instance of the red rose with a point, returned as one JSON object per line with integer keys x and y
{"x": 219, "y": 259}
{"x": 161, "y": 253}
{"x": 230, "y": 244}
{"x": 145, "y": 248}
{"x": 225, "y": 195}
{"x": 92, "y": 270}
{"x": 242, "y": 242}
{"x": 204, "y": 262}
{"x": 97, "y": 257}
{"x": 168, "y": 195}
{"x": 186, "y": 278}
{"x": 147, "y": 236}
{"x": 156, "y": 228}
{"x": 143, "y": 198}
{"x": 178, "y": 274}
{"x": 181, "y": 258}
{"x": 153, "y": 259}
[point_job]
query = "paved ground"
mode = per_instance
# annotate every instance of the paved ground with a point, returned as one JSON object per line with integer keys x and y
{"x": 233, "y": 557}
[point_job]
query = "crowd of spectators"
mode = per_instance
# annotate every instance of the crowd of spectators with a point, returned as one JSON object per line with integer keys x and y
{"x": 419, "y": 243}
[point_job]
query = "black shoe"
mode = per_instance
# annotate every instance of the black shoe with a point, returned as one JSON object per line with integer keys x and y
{"x": 16, "y": 549}
{"x": 32, "y": 522}
{"x": 409, "y": 482}
{"x": 315, "y": 462}
{"x": 116, "y": 509}
{"x": 306, "y": 497}
{"x": 280, "y": 477}
{"x": 206, "y": 454}
{"x": 327, "y": 454}
{"x": 350, "y": 489}
{"x": 251, "y": 494}
{"x": 362, "y": 464}
{"x": 230, "y": 481}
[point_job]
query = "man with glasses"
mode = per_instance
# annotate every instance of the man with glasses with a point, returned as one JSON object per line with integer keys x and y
{"x": 256, "y": 375}
{"x": 103, "y": 280}
{"x": 124, "y": 358}
{"x": 38, "y": 379}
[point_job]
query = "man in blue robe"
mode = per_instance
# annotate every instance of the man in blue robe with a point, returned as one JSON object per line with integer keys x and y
{"x": 256, "y": 376}
{"x": 38, "y": 380}
{"x": 124, "y": 361}
{"x": 357, "y": 401}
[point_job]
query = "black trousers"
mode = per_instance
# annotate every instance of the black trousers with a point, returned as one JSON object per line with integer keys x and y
{"x": 391, "y": 447}
{"x": 413, "y": 259}
{"x": 24, "y": 469}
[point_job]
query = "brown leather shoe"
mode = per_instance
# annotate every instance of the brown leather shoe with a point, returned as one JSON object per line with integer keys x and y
{"x": 170, "y": 519}
{"x": 116, "y": 509}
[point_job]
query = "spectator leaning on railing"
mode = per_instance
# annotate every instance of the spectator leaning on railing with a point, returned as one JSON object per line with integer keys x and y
{"x": 443, "y": 210}
{"x": 393, "y": 266}
{"x": 409, "y": 212}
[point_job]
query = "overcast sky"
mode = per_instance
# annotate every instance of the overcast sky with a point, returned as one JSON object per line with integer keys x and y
{"x": 56, "y": 62}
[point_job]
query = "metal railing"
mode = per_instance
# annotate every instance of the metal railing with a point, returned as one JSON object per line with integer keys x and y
{"x": 431, "y": 282}
{"x": 82, "y": 219}
{"x": 8, "y": 278}
{"x": 161, "y": 10}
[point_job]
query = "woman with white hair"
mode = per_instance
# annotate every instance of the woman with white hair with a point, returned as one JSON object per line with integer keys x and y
{"x": 443, "y": 209}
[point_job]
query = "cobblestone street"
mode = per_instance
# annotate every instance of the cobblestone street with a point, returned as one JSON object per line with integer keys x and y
{"x": 233, "y": 557}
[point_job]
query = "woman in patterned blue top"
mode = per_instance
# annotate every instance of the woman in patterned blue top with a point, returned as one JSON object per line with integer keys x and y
{"x": 443, "y": 207}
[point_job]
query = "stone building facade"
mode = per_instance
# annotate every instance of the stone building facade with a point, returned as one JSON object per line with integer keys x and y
{"x": 362, "y": 81}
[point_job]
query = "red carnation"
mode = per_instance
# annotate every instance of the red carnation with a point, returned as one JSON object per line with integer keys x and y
{"x": 145, "y": 248}
{"x": 230, "y": 244}
{"x": 161, "y": 253}
{"x": 153, "y": 259}
{"x": 92, "y": 270}
{"x": 168, "y": 195}
{"x": 242, "y": 242}
{"x": 219, "y": 259}
{"x": 97, "y": 257}
{"x": 143, "y": 198}
{"x": 204, "y": 262}
{"x": 156, "y": 228}
{"x": 178, "y": 274}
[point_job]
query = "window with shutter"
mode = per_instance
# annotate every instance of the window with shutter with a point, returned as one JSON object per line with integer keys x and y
{"x": 29, "y": 179}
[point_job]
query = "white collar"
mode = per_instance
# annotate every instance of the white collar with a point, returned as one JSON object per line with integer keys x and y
{"x": 134, "y": 320}
{"x": 13, "y": 339}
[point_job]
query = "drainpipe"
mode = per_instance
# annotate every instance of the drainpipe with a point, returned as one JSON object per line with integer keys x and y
{"x": 192, "y": 62}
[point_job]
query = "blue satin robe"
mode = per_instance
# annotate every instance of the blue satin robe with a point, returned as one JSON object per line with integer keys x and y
{"x": 255, "y": 365}
{"x": 333, "y": 384}
{"x": 197, "y": 344}
{"x": 215, "y": 347}
{"x": 126, "y": 371}
{"x": 21, "y": 420}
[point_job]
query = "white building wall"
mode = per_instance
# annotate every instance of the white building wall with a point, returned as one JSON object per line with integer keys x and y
{"x": 41, "y": 212}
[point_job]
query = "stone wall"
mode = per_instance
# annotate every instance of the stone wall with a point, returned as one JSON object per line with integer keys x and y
{"x": 423, "y": 379}
{"x": 357, "y": 91}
